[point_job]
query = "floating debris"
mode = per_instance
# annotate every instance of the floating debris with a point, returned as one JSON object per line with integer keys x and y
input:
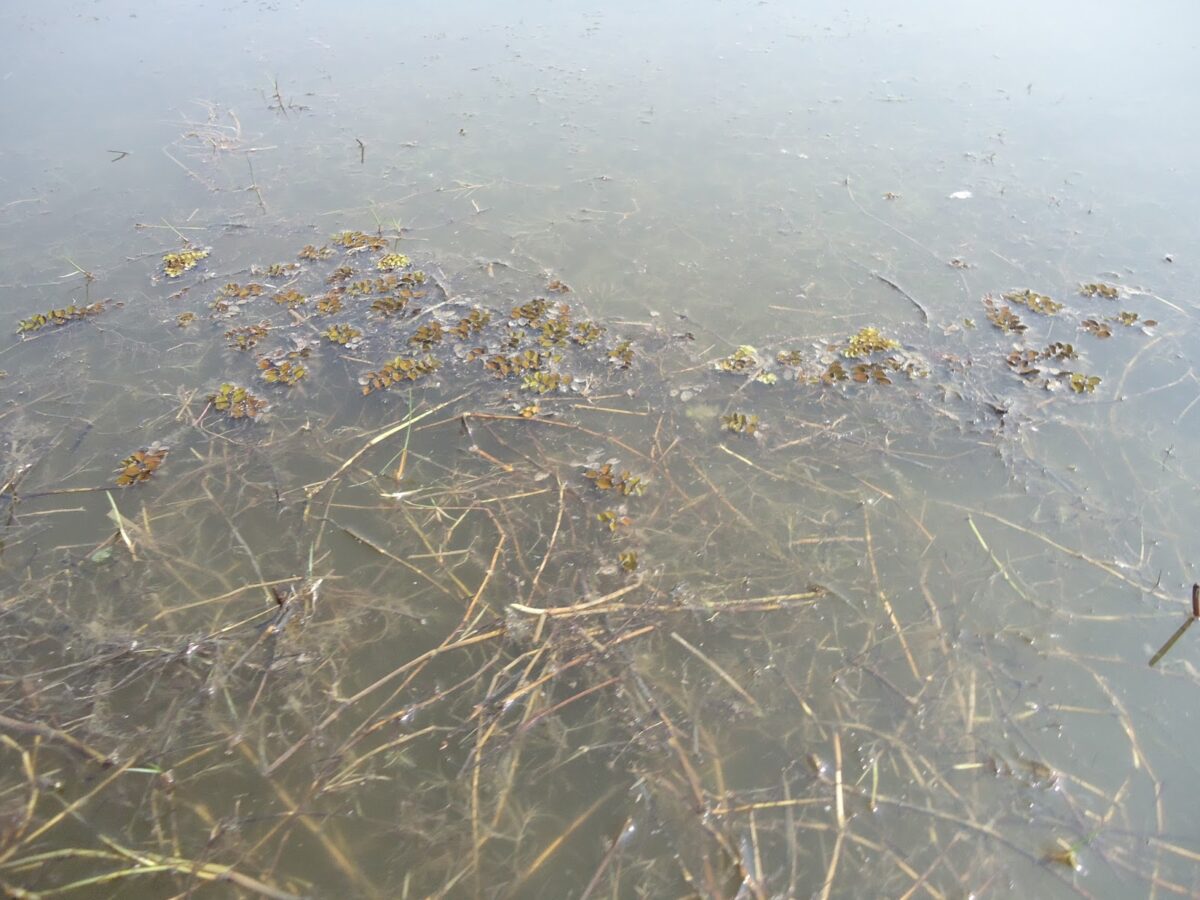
{"x": 141, "y": 465}
{"x": 558, "y": 287}
{"x": 175, "y": 264}
{"x": 59, "y": 317}
{"x": 237, "y": 402}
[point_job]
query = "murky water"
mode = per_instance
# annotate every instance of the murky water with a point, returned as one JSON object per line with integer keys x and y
{"x": 420, "y": 642}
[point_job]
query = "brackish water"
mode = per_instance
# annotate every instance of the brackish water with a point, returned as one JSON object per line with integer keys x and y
{"x": 653, "y": 616}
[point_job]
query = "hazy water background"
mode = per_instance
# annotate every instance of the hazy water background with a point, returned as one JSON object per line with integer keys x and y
{"x": 733, "y": 161}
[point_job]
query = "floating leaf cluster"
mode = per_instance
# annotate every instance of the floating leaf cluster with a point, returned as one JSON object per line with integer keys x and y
{"x": 290, "y": 298}
{"x": 175, "y": 264}
{"x": 235, "y": 291}
{"x": 183, "y": 320}
{"x": 237, "y": 402}
{"x": 59, "y": 317}
{"x": 1083, "y": 384}
{"x": 1096, "y": 327}
{"x": 391, "y": 305}
{"x": 545, "y": 382}
{"x": 1003, "y": 317}
{"x": 1039, "y": 303}
{"x": 427, "y": 335}
{"x": 743, "y": 359}
{"x": 356, "y": 240}
{"x": 1129, "y": 319}
{"x": 587, "y": 333}
{"x": 391, "y": 261}
{"x": 790, "y": 358}
{"x": 341, "y": 273}
{"x": 531, "y": 313}
{"x": 504, "y": 366}
{"x": 380, "y": 285}
{"x": 621, "y": 355}
{"x": 284, "y": 371}
{"x": 396, "y": 371}
{"x": 343, "y": 334}
{"x": 281, "y": 270}
{"x": 473, "y": 323}
{"x": 628, "y": 560}
{"x": 865, "y": 372}
{"x": 625, "y": 483}
{"x": 329, "y": 303}
{"x": 246, "y": 336}
{"x": 557, "y": 287}
{"x": 141, "y": 465}
{"x": 740, "y": 423}
{"x": 867, "y": 341}
{"x": 1099, "y": 289}
{"x": 613, "y": 519}
{"x": 312, "y": 254}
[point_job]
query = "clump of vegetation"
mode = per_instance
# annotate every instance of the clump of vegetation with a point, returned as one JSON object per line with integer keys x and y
{"x": 290, "y": 298}
{"x": 141, "y": 465}
{"x": 389, "y": 262}
{"x": 312, "y": 253}
{"x": 389, "y": 306}
{"x": 343, "y": 334}
{"x": 396, "y": 371}
{"x": 175, "y": 264}
{"x": 341, "y": 273}
{"x": 281, "y": 270}
{"x": 740, "y": 423}
{"x": 1003, "y": 317}
{"x": 558, "y": 287}
{"x": 237, "y": 402}
{"x": 427, "y": 335}
{"x": 281, "y": 371}
{"x": 1096, "y": 327}
{"x": 864, "y": 372}
{"x": 626, "y": 484}
{"x": 621, "y": 355}
{"x": 1129, "y": 319}
{"x": 329, "y": 303}
{"x": 504, "y": 366}
{"x": 1083, "y": 384}
{"x": 473, "y": 323}
{"x": 531, "y": 313}
{"x": 235, "y": 291}
{"x": 355, "y": 241}
{"x": 743, "y": 359}
{"x": 545, "y": 382}
{"x": 587, "y": 333}
{"x": 246, "y": 336}
{"x": 833, "y": 373}
{"x": 183, "y": 320}
{"x": 790, "y": 358}
{"x": 59, "y": 317}
{"x": 867, "y": 341}
{"x": 1099, "y": 289}
{"x": 628, "y": 560}
{"x": 1039, "y": 303}
{"x": 614, "y": 519}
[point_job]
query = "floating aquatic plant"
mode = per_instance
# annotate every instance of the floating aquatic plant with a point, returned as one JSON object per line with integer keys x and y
{"x": 236, "y": 291}
{"x": 356, "y": 240}
{"x": 1096, "y": 327}
{"x": 345, "y": 335}
{"x": 59, "y": 317}
{"x": 246, "y": 336}
{"x": 628, "y": 560}
{"x": 621, "y": 355}
{"x": 503, "y": 366}
{"x": 141, "y": 465}
{"x": 743, "y": 359}
{"x": 740, "y": 423}
{"x": 614, "y": 519}
{"x": 183, "y": 320}
{"x": 281, "y": 270}
{"x": 290, "y": 298}
{"x": 175, "y": 264}
{"x": 1039, "y": 303}
{"x": 400, "y": 369}
{"x": 1083, "y": 384}
{"x": 531, "y": 313}
{"x": 867, "y": 341}
{"x": 427, "y": 335}
{"x": 389, "y": 306}
{"x": 281, "y": 371}
{"x": 237, "y": 402}
{"x": 329, "y": 303}
{"x": 558, "y": 287}
{"x": 312, "y": 254}
{"x": 1003, "y": 317}
{"x": 1100, "y": 289}
{"x": 391, "y": 261}
{"x": 472, "y": 323}
{"x": 545, "y": 382}
{"x": 626, "y": 484}
{"x": 864, "y": 372}
{"x": 587, "y": 333}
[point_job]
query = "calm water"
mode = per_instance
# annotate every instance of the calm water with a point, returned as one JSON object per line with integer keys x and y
{"x": 965, "y": 707}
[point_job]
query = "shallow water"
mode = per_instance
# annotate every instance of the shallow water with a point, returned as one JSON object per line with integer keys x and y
{"x": 896, "y": 644}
